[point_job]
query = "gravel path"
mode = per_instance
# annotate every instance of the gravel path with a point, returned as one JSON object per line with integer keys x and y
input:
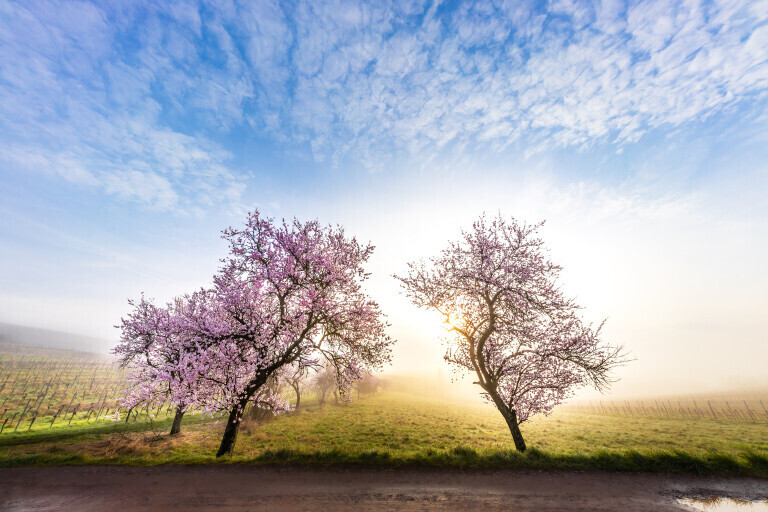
{"x": 231, "y": 488}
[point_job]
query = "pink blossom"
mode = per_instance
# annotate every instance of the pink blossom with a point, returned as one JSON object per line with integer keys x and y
{"x": 509, "y": 322}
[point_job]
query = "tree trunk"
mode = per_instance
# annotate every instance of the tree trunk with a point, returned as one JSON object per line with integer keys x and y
{"x": 511, "y": 417}
{"x": 230, "y": 433}
{"x": 517, "y": 436}
{"x": 176, "y": 427}
{"x": 298, "y": 396}
{"x": 236, "y": 416}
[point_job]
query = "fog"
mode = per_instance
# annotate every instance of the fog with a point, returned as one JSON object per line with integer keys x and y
{"x": 679, "y": 283}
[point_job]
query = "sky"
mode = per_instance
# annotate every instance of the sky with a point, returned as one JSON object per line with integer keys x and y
{"x": 133, "y": 133}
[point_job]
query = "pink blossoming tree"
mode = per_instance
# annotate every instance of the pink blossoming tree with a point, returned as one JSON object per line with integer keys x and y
{"x": 179, "y": 354}
{"x": 509, "y": 323}
{"x": 156, "y": 353}
{"x": 291, "y": 292}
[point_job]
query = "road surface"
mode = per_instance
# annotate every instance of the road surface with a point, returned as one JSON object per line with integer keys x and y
{"x": 240, "y": 488}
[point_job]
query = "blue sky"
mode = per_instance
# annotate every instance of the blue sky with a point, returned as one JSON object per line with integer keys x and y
{"x": 132, "y": 133}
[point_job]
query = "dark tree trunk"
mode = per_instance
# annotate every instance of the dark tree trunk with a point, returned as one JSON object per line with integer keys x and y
{"x": 511, "y": 418}
{"x": 230, "y": 433}
{"x": 297, "y": 389}
{"x": 176, "y": 427}
{"x": 517, "y": 436}
{"x": 236, "y": 415}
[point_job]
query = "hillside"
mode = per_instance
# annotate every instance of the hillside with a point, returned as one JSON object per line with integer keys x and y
{"x": 13, "y": 335}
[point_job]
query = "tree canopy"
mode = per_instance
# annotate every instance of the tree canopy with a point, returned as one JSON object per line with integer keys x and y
{"x": 509, "y": 322}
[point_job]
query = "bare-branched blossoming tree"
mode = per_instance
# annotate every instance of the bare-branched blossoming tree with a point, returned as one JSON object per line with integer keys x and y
{"x": 509, "y": 322}
{"x": 155, "y": 350}
{"x": 288, "y": 294}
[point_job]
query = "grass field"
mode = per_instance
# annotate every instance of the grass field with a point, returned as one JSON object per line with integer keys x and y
{"x": 397, "y": 429}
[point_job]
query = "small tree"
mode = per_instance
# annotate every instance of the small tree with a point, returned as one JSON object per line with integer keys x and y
{"x": 296, "y": 377}
{"x": 367, "y": 385}
{"x": 154, "y": 350}
{"x": 508, "y": 321}
{"x": 323, "y": 382}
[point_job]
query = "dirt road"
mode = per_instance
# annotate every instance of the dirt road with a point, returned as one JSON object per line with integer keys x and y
{"x": 231, "y": 488}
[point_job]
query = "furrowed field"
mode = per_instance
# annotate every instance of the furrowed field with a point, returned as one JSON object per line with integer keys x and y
{"x": 60, "y": 410}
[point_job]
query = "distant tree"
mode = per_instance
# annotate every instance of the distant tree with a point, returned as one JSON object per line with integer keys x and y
{"x": 296, "y": 378}
{"x": 367, "y": 385}
{"x": 384, "y": 384}
{"x": 324, "y": 382}
{"x": 269, "y": 402}
{"x": 508, "y": 321}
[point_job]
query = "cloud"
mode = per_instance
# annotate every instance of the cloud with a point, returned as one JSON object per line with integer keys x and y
{"x": 375, "y": 79}
{"x": 75, "y": 104}
{"x": 118, "y": 89}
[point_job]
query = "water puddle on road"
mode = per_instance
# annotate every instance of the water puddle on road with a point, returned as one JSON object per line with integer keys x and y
{"x": 725, "y": 505}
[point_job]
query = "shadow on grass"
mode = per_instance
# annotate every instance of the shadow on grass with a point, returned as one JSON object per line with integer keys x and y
{"x": 747, "y": 464}
{"x": 95, "y": 429}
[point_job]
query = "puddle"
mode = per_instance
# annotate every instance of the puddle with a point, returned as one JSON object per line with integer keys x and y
{"x": 725, "y": 505}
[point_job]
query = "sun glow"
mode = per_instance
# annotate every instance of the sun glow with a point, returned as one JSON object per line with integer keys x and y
{"x": 449, "y": 324}
{"x": 439, "y": 325}
{"x": 453, "y": 321}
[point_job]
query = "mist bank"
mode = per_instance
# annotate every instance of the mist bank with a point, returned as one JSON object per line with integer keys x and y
{"x": 434, "y": 378}
{"x": 36, "y": 338}
{"x": 448, "y": 386}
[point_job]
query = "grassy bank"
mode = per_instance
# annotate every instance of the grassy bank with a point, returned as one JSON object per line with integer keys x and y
{"x": 397, "y": 429}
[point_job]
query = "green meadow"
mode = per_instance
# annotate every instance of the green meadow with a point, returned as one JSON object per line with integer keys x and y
{"x": 404, "y": 429}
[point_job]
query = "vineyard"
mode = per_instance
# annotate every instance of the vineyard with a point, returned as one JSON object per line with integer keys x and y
{"x": 731, "y": 409}
{"x": 51, "y": 389}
